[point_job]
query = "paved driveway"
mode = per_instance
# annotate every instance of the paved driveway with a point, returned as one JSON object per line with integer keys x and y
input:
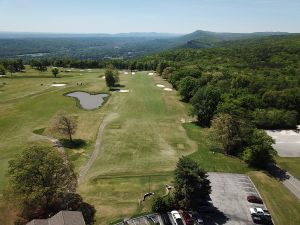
{"x": 229, "y": 193}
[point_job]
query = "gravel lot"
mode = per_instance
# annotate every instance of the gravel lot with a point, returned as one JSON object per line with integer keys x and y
{"x": 229, "y": 193}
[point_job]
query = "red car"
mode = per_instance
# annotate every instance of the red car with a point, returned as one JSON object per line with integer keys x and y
{"x": 254, "y": 199}
{"x": 187, "y": 218}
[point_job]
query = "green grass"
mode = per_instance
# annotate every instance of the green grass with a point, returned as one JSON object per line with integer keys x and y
{"x": 145, "y": 140}
{"x": 212, "y": 161}
{"x": 26, "y": 106}
{"x": 292, "y": 165}
{"x": 284, "y": 206}
{"x": 140, "y": 147}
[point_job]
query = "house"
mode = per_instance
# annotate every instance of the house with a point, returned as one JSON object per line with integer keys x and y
{"x": 61, "y": 218}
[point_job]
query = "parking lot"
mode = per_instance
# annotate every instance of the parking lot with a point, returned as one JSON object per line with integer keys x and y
{"x": 287, "y": 142}
{"x": 229, "y": 205}
{"x": 229, "y": 193}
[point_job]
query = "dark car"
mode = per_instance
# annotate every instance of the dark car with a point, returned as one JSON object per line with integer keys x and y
{"x": 187, "y": 218}
{"x": 197, "y": 218}
{"x": 166, "y": 219}
{"x": 254, "y": 199}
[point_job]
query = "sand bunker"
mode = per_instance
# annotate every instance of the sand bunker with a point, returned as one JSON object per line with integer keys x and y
{"x": 160, "y": 85}
{"x": 150, "y": 74}
{"x": 58, "y": 85}
{"x": 2, "y": 75}
{"x": 133, "y": 73}
{"x": 168, "y": 89}
{"x": 123, "y": 91}
{"x": 126, "y": 73}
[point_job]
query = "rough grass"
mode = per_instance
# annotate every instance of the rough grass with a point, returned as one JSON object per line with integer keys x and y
{"x": 283, "y": 205}
{"x": 292, "y": 165}
{"x": 209, "y": 160}
{"x": 26, "y": 106}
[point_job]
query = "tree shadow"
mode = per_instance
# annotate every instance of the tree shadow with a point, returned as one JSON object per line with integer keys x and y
{"x": 277, "y": 172}
{"x": 75, "y": 144}
{"x": 212, "y": 215}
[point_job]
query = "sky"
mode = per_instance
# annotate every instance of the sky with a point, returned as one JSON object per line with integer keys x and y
{"x": 167, "y": 16}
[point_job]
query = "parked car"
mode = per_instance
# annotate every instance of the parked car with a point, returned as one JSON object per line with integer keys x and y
{"x": 153, "y": 218}
{"x": 166, "y": 219}
{"x": 260, "y": 215}
{"x": 177, "y": 218}
{"x": 254, "y": 199}
{"x": 187, "y": 218}
{"x": 196, "y": 217}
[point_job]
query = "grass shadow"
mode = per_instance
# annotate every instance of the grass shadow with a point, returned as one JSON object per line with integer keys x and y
{"x": 39, "y": 131}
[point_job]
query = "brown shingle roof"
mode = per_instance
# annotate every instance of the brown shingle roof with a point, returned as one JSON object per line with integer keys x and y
{"x": 61, "y": 218}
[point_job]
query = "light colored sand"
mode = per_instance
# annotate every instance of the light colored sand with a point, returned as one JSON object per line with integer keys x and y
{"x": 2, "y": 75}
{"x": 58, "y": 85}
{"x": 160, "y": 85}
{"x": 133, "y": 73}
{"x": 123, "y": 91}
{"x": 126, "y": 73}
{"x": 168, "y": 89}
{"x": 150, "y": 74}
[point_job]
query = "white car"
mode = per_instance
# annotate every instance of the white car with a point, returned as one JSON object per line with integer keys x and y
{"x": 257, "y": 211}
{"x": 259, "y": 214}
{"x": 177, "y": 218}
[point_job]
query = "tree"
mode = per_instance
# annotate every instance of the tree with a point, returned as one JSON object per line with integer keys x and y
{"x": 163, "y": 204}
{"x": 2, "y": 70}
{"x": 191, "y": 184}
{"x": 111, "y": 77}
{"x": 187, "y": 88}
{"x": 275, "y": 118}
{"x": 260, "y": 152}
{"x": 65, "y": 124}
{"x": 226, "y": 130}
{"x": 167, "y": 72}
{"x": 37, "y": 177}
{"x": 11, "y": 69}
{"x": 205, "y": 103}
{"x": 55, "y": 71}
{"x": 160, "y": 67}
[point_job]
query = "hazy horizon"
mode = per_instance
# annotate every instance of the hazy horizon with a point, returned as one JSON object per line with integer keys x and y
{"x": 160, "y": 16}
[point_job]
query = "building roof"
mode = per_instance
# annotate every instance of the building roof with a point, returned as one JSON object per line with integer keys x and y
{"x": 61, "y": 218}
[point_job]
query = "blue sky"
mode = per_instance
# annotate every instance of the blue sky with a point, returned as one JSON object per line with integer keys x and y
{"x": 172, "y": 16}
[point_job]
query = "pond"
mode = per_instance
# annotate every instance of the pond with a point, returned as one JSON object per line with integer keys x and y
{"x": 87, "y": 100}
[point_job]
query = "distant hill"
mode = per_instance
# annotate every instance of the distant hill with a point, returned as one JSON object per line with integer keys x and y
{"x": 21, "y": 35}
{"x": 207, "y": 39}
{"x": 100, "y": 46}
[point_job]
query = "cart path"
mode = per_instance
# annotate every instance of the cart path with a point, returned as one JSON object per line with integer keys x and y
{"x": 98, "y": 143}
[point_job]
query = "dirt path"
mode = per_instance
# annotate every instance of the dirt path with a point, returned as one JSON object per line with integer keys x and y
{"x": 55, "y": 142}
{"x": 95, "y": 153}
